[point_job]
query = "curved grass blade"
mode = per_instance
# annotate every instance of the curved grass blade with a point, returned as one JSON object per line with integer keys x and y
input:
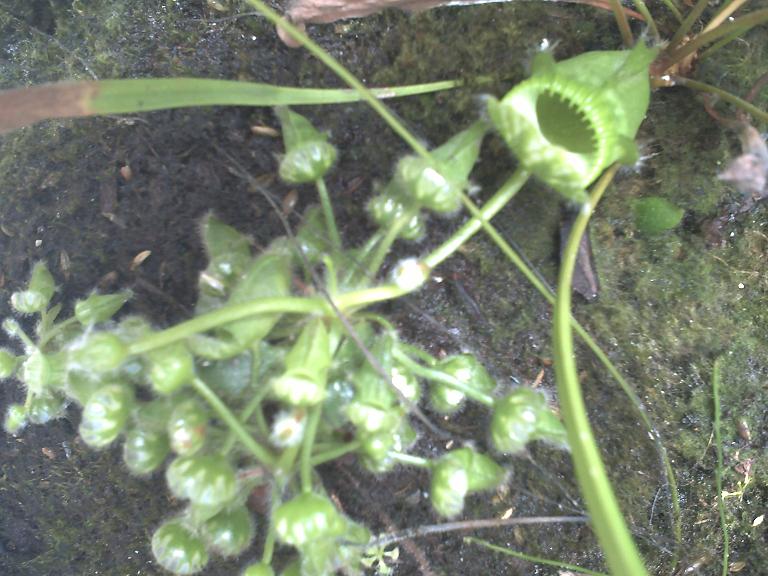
{"x": 23, "y": 106}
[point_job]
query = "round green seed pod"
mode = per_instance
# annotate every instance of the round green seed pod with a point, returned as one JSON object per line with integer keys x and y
{"x": 171, "y": 368}
{"x": 187, "y": 427}
{"x": 102, "y": 352}
{"x": 105, "y": 414}
{"x": 515, "y": 419}
{"x": 45, "y": 407}
{"x": 206, "y": 480}
{"x": 229, "y": 532}
{"x": 144, "y": 450}
{"x": 307, "y": 518}
{"x": 177, "y": 549}
{"x": 15, "y": 419}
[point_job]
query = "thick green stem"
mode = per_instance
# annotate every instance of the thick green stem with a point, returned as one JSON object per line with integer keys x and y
{"x": 622, "y": 23}
{"x": 330, "y": 220}
{"x": 225, "y": 315}
{"x": 612, "y": 532}
{"x": 334, "y": 453}
{"x": 723, "y": 95}
{"x": 500, "y": 199}
{"x": 306, "y": 447}
{"x": 262, "y": 455}
{"x": 719, "y": 469}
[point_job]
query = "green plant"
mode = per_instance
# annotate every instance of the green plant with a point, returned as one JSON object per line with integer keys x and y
{"x": 309, "y": 380}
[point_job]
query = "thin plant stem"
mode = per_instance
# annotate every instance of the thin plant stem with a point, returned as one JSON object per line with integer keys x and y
{"x": 719, "y": 44}
{"x": 622, "y": 23}
{"x": 489, "y": 209}
{"x": 389, "y": 238}
{"x": 334, "y": 453}
{"x": 725, "y": 12}
{"x": 643, "y": 9}
{"x": 262, "y": 455}
{"x": 533, "y": 559}
{"x": 330, "y": 220}
{"x": 740, "y": 25}
{"x": 723, "y": 95}
{"x": 225, "y": 315}
{"x": 409, "y": 459}
{"x": 443, "y": 378}
{"x": 719, "y": 469}
{"x": 690, "y": 19}
{"x": 606, "y": 518}
{"x": 245, "y": 414}
{"x": 672, "y": 7}
{"x": 306, "y": 447}
{"x": 336, "y": 67}
{"x": 465, "y": 525}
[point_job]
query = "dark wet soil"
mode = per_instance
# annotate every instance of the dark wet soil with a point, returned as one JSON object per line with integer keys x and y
{"x": 67, "y": 510}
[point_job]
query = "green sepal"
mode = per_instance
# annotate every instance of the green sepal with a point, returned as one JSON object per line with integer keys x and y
{"x": 170, "y": 368}
{"x": 306, "y": 367}
{"x": 42, "y": 408}
{"x": 459, "y": 473}
{"x": 468, "y": 370}
{"x": 311, "y": 236}
{"x": 306, "y": 519}
{"x": 205, "y": 479}
{"x": 308, "y": 154}
{"x": 101, "y": 352}
{"x": 106, "y": 414}
{"x": 268, "y": 276}
{"x": 8, "y": 363}
{"x": 386, "y": 208}
{"x": 38, "y": 293}
{"x": 483, "y": 472}
{"x": 229, "y": 532}
{"x": 15, "y": 419}
{"x": 100, "y": 307}
{"x": 459, "y": 154}
{"x": 427, "y": 184}
{"x": 521, "y": 417}
{"x": 187, "y": 427}
{"x": 144, "y": 450}
{"x": 37, "y": 372}
{"x": 448, "y": 487}
{"x": 228, "y": 251}
{"x": 178, "y": 549}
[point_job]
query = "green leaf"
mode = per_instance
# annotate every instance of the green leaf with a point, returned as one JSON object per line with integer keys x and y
{"x": 39, "y": 291}
{"x": 100, "y": 307}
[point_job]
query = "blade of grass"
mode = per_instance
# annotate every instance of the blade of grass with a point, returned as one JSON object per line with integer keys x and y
{"x": 23, "y": 106}
{"x": 533, "y": 559}
{"x": 719, "y": 469}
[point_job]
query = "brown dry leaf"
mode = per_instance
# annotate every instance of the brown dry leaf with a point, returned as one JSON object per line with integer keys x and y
{"x": 749, "y": 172}
{"x": 139, "y": 258}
